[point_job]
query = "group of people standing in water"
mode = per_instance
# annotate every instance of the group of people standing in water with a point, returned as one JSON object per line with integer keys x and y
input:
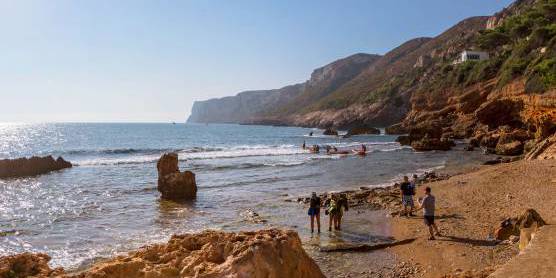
{"x": 334, "y": 206}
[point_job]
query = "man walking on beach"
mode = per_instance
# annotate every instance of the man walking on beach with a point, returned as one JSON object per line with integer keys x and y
{"x": 428, "y": 205}
{"x": 407, "y": 193}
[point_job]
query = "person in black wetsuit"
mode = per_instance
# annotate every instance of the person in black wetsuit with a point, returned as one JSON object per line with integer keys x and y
{"x": 314, "y": 211}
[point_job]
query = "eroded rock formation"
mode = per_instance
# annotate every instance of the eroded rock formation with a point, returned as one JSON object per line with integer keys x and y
{"x": 261, "y": 254}
{"x": 544, "y": 150}
{"x": 512, "y": 226}
{"x": 27, "y": 265}
{"x": 24, "y": 167}
{"x": 173, "y": 184}
{"x": 330, "y": 131}
{"x": 361, "y": 130}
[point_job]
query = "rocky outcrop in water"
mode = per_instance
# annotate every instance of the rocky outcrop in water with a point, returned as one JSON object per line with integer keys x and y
{"x": 361, "y": 130}
{"x": 25, "y": 167}
{"x": 430, "y": 144}
{"x": 330, "y": 132}
{"x": 173, "y": 184}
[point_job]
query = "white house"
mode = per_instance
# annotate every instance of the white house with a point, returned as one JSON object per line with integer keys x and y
{"x": 468, "y": 55}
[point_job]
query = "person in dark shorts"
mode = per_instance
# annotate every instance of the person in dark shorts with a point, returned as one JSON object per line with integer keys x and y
{"x": 407, "y": 193}
{"x": 314, "y": 211}
{"x": 428, "y": 206}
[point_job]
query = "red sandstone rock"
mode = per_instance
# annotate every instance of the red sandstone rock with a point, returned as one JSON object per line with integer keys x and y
{"x": 512, "y": 148}
{"x": 24, "y": 167}
{"x": 173, "y": 184}
{"x": 267, "y": 253}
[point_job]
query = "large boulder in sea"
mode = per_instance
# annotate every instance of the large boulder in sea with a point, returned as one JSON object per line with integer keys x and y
{"x": 173, "y": 184}
{"x": 330, "y": 131}
{"x": 404, "y": 140}
{"x": 430, "y": 144}
{"x": 25, "y": 167}
{"x": 396, "y": 129}
{"x": 361, "y": 130}
{"x": 267, "y": 253}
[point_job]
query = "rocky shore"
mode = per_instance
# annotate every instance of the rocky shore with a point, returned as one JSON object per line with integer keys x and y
{"x": 471, "y": 209}
{"x": 265, "y": 253}
{"x": 378, "y": 198}
{"x": 24, "y": 167}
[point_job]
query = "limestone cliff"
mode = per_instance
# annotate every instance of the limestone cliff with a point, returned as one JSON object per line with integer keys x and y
{"x": 243, "y": 106}
{"x": 253, "y": 106}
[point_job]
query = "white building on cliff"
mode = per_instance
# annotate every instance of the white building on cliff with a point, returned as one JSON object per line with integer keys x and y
{"x": 468, "y": 55}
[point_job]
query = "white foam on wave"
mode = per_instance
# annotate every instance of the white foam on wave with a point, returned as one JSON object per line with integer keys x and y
{"x": 246, "y": 151}
{"x": 239, "y": 152}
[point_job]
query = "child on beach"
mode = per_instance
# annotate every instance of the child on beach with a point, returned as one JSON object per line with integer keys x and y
{"x": 428, "y": 206}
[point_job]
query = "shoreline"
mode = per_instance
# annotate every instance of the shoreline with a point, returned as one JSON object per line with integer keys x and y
{"x": 393, "y": 261}
{"x": 470, "y": 206}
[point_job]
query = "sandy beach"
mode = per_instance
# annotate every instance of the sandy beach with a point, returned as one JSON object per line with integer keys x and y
{"x": 469, "y": 208}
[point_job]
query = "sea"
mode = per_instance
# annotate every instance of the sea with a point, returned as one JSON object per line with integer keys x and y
{"x": 108, "y": 203}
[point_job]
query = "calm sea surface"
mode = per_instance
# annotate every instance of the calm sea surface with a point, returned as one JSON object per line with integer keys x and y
{"x": 109, "y": 204}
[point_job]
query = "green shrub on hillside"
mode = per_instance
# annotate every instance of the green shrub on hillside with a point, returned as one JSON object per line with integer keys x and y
{"x": 547, "y": 71}
{"x": 492, "y": 39}
{"x": 521, "y": 36}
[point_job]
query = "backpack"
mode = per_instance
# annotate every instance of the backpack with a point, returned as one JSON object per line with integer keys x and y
{"x": 332, "y": 207}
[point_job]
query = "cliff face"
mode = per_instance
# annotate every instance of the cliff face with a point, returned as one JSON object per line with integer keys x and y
{"x": 253, "y": 106}
{"x": 242, "y": 107}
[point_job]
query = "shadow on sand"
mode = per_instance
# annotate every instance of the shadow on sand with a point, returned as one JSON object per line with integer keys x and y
{"x": 470, "y": 241}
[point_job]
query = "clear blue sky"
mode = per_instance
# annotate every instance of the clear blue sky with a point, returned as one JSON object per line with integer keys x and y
{"x": 149, "y": 60}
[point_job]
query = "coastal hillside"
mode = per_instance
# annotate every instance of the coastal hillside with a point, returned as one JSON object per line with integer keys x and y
{"x": 425, "y": 88}
{"x": 247, "y": 107}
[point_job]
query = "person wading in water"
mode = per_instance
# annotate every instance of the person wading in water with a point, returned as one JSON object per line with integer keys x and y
{"x": 314, "y": 211}
{"x": 332, "y": 209}
{"x": 343, "y": 205}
